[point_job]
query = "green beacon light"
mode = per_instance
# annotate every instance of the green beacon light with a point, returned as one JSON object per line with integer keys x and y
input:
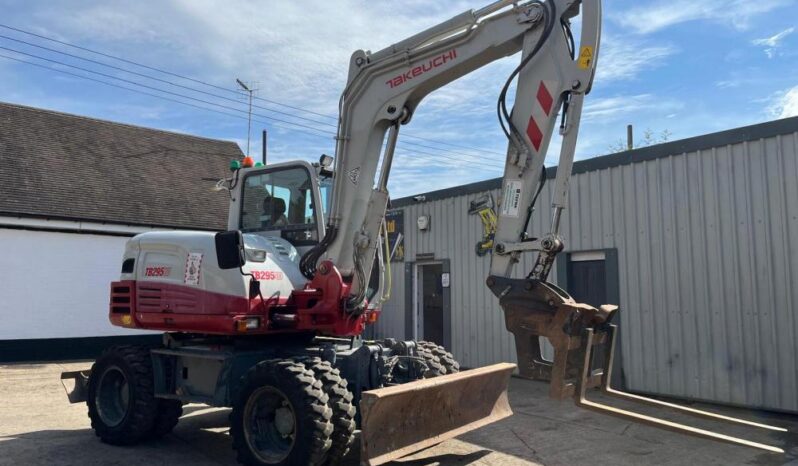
{"x": 258, "y": 164}
{"x": 234, "y": 165}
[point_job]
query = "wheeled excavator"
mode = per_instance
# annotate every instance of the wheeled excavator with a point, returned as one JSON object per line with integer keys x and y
{"x": 267, "y": 318}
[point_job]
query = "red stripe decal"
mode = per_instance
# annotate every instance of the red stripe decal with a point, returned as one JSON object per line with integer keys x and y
{"x": 544, "y": 98}
{"x": 534, "y": 133}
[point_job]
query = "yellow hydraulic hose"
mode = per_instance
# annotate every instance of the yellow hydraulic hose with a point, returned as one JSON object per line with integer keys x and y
{"x": 386, "y": 295}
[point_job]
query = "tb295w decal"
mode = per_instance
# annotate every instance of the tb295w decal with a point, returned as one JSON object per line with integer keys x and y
{"x": 266, "y": 275}
{"x": 157, "y": 271}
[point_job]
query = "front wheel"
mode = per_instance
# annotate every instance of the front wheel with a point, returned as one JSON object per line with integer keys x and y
{"x": 280, "y": 416}
{"x": 343, "y": 409}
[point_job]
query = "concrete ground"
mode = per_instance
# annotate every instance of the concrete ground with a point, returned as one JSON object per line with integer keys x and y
{"x": 39, "y": 426}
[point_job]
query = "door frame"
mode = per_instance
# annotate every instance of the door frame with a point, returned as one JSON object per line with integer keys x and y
{"x": 414, "y": 306}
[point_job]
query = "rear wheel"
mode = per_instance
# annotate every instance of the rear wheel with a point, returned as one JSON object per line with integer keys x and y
{"x": 434, "y": 366}
{"x": 280, "y": 416}
{"x": 445, "y": 358}
{"x": 121, "y": 402}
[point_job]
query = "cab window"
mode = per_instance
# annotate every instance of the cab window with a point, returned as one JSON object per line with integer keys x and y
{"x": 280, "y": 200}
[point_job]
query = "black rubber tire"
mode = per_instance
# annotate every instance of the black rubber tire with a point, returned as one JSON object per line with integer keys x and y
{"x": 446, "y": 358}
{"x": 308, "y": 401}
{"x": 434, "y": 366}
{"x": 135, "y": 364}
{"x": 169, "y": 412}
{"x": 343, "y": 409}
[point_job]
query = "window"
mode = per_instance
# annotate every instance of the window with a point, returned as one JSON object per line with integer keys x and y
{"x": 325, "y": 188}
{"x": 280, "y": 200}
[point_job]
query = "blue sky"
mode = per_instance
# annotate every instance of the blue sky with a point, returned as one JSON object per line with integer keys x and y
{"x": 686, "y": 67}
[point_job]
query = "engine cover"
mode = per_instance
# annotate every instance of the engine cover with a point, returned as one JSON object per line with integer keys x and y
{"x": 171, "y": 281}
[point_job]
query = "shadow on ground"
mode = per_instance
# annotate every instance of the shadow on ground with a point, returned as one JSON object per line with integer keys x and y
{"x": 201, "y": 438}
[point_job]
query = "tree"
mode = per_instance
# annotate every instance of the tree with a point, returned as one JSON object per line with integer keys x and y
{"x": 649, "y": 139}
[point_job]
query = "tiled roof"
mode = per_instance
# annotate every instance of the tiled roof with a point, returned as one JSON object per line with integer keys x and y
{"x": 63, "y": 166}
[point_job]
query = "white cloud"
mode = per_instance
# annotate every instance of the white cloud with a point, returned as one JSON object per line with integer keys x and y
{"x": 617, "y": 107}
{"x": 773, "y": 42}
{"x": 663, "y": 14}
{"x": 624, "y": 58}
{"x": 298, "y": 51}
{"x": 728, "y": 83}
{"x": 786, "y": 104}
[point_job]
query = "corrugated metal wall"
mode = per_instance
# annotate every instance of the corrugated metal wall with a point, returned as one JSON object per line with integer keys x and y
{"x": 707, "y": 247}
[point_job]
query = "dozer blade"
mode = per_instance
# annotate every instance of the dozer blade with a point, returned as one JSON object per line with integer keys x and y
{"x": 403, "y": 419}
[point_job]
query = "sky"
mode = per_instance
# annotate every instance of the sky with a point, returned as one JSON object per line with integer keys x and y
{"x": 676, "y": 67}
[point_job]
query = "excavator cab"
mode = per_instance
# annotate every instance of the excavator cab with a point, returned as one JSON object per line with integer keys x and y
{"x": 281, "y": 200}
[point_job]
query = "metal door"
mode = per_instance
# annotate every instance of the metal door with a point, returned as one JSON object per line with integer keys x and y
{"x": 431, "y": 305}
{"x": 587, "y": 282}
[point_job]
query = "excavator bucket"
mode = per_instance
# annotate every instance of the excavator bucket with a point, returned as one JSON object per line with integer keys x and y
{"x": 402, "y": 419}
{"x": 583, "y": 339}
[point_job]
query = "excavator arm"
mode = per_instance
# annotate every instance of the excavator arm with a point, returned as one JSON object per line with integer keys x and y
{"x": 384, "y": 89}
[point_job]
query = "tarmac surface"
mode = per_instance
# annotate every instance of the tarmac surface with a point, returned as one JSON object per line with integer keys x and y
{"x": 39, "y": 426}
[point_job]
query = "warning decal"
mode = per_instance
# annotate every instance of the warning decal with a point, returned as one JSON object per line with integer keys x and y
{"x": 511, "y": 198}
{"x": 193, "y": 267}
{"x": 585, "y": 57}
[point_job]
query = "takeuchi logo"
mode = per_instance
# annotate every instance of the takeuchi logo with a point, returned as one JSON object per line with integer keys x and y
{"x": 417, "y": 71}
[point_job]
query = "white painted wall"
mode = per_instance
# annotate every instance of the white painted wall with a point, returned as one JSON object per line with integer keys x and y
{"x": 55, "y": 285}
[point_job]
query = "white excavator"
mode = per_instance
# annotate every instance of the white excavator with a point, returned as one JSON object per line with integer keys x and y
{"x": 267, "y": 318}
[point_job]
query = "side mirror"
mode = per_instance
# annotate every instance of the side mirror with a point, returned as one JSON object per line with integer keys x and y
{"x": 230, "y": 249}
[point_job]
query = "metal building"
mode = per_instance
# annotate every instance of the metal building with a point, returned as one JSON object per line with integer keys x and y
{"x": 696, "y": 240}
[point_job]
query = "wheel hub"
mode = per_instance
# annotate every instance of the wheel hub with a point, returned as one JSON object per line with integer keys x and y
{"x": 284, "y": 421}
{"x": 113, "y": 396}
{"x": 269, "y": 425}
